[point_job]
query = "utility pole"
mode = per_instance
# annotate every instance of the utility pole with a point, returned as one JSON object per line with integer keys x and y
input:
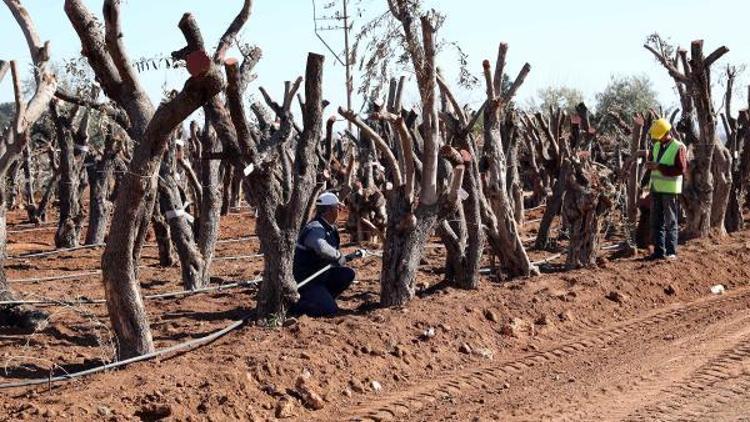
{"x": 321, "y": 26}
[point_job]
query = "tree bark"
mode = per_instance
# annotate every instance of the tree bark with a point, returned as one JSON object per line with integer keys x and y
{"x": 721, "y": 167}
{"x": 68, "y": 228}
{"x": 586, "y": 203}
{"x": 192, "y": 265}
{"x": 101, "y": 173}
{"x": 136, "y": 193}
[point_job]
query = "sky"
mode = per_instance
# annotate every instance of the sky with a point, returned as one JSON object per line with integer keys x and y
{"x": 576, "y": 43}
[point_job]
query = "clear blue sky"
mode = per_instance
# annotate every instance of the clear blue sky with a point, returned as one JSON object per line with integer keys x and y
{"x": 578, "y": 43}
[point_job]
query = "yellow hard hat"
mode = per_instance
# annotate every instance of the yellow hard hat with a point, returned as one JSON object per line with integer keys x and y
{"x": 659, "y": 129}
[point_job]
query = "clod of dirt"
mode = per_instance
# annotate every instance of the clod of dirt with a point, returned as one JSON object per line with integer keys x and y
{"x": 284, "y": 409}
{"x": 399, "y": 351}
{"x": 541, "y": 320}
{"x": 670, "y": 290}
{"x": 517, "y": 327}
{"x": 378, "y": 318}
{"x": 356, "y": 386}
{"x": 483, "y": 353}
{"x": 310, "y": 398}
{"x": 565, "y": 316}
{"x": 465, "y": 348}
{"x": 616, "y": 297}
{"x": 490, "y": 315}
{"x": 103, "y": 411}
{"x": 154, "y": 412}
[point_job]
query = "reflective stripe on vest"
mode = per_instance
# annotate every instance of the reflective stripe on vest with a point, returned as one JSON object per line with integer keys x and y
{"x": 659, "y": 182}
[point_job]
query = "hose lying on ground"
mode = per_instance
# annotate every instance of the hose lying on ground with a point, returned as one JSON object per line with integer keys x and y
{"x": 86, "y": 301}
{"x": 176, "y": 348}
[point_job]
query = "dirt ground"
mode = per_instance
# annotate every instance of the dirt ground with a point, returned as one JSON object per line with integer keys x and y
{"x": 627, "y": 341}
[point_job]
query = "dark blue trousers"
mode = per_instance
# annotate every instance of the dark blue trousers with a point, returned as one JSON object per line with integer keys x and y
{"x": 664, "y": 228}
{"x": 318, "y": 297}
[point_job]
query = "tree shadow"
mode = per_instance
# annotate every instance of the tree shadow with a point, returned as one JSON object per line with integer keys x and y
{"x": 34, "y": 371}
{"x": 83, "y": 340}
{"x": 231, "y": 314}
{"x": 154, "y": 283}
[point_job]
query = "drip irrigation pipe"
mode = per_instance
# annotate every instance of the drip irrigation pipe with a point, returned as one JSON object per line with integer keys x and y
{"x": 169, "y": 295}
{"x": 188, "y": 345}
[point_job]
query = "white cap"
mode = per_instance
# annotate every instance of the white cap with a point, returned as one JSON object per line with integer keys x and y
{"x": 328, "y": 199}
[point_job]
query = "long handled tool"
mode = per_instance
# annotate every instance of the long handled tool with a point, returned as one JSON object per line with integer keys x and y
{"x": 352, "y": 256}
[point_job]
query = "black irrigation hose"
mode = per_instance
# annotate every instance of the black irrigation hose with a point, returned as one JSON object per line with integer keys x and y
{"x": 188, "y": 345}
{"x": 83, "y": 301}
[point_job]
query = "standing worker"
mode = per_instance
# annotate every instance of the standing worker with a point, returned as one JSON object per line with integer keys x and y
{"x": 317, "y": 247}
{"x": 667, "y": 163}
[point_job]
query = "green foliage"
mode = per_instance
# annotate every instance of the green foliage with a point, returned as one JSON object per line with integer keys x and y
{"x": 379, "y": 51}
{"x": 557, "y": 97}
{"x": 626, "y": 96}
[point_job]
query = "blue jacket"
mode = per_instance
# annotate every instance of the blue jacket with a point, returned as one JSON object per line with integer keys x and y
{"x": 317, "y": 246}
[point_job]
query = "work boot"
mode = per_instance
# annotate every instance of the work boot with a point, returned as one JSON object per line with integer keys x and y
{"x": 654, "y": 257}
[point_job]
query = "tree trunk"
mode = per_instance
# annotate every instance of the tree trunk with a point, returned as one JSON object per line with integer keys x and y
{"x": 721, "y": 167}
{"x": 586, "y": 203}
{"x": 28, "y": 184}
{"x": 465, "y": 241}
{"x": 226, "y": 191}
{"x": 68, "y": 226}
{"x": 405, "y": 239}
{"x": 163, "y": 238}
{"x": 101, "y": 173}
{"x": 741, "y": 175}
{"x": 20, "y": 317}
{"x": 515, "y": 187}
{"x": 554, "y": 204}
{"x": 210, "y": 206}
{"x": 193, "y": 268}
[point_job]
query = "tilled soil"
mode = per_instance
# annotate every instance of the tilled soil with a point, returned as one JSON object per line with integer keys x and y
{"x": 627, "y": 341}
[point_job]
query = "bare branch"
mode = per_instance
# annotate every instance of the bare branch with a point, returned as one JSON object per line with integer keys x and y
{"x": 234, "y": 28}
{"x": 380, "y": 143}
{"x": 508, "y": 96}
{"x": 673, "y": 71}
{"x": 452, "y": 99}
{"x": 502, "y": 52}
{"x": 716, "y": 55}
{"x": 92, "y": 47}
{"x": 113, "y": 37}
{"x": 4, "y": 66}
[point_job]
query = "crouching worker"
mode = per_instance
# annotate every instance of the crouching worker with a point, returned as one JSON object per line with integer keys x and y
{"x": 317, "y": 247}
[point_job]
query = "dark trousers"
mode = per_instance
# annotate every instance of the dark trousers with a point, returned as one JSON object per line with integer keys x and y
{"x": 664, "y": 228}
{"x": 318, "y": 297}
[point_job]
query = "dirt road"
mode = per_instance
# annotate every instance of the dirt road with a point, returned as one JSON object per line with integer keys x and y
{"x": 687, "y": 361}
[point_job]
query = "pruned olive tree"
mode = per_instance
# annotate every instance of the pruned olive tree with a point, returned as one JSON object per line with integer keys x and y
{"x": 281, "y": 184}
{"x": 706, "y": 190}
{"x": 498, "y": 213}
{"x": 150, "y": 128}
{"x": 12, "y": 143}
{"x": 414, "y": 206}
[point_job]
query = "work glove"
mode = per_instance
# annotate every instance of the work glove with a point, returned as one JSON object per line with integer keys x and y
{"x": 341, "y": 259}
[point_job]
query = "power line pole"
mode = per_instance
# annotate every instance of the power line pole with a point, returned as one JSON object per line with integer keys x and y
{"x": 320, "y": 26}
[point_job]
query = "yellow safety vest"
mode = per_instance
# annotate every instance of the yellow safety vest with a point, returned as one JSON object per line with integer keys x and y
{"x": 659, "y": 182}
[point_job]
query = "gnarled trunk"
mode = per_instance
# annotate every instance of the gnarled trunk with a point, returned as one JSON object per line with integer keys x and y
{"x": 721, "y": 167}
{"x": 68, "y": 228}
{"x": 586, "y": 203}
{"x": 405, "y": 239}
